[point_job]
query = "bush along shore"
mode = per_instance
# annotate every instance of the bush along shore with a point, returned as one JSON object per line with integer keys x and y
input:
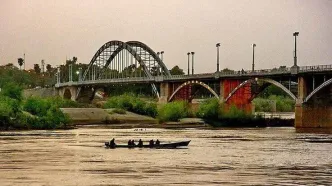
{"x": 45, "y": 113}
{"x": 216, "y": 115}
{"x": 210, "y": 110}
{"x": 33, "y": 112}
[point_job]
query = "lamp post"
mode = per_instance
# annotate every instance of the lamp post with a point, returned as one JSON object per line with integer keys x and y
{"x": 162, "y": 59}
{"x": 218, "y": 45}
{"x": 58, "y": 75}
{"x": 78, "y": 75}
{"x": 162, "y": 52}
{"x": 295, "y": 34}
{"x": 188, "y": 62}
{"x": 157, "y": 67}
{"x": 70, "y": 73}
{"x": 253, "y": 57}
{"x": 24, "y": 61}
{"x": 192, "y": 63}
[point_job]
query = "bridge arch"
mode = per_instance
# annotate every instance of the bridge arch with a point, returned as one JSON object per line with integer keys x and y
{"x": 320, "y": 87}
{"x": 188, "y": 83}
{"x": 152, "y": 53}
{"x": 271, "y": 81}
{"x": 67, "y": 94}
{"x": 106, "y": 55}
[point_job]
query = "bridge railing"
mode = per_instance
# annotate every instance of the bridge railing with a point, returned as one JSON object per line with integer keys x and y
{"x": 105, "y": 81}
{"x": 176, "y": 77}
{"x": 316, "y": 68}
{"x": 274, "y": 71}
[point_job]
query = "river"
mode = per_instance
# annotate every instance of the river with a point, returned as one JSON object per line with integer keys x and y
{"x": 258, "y": 156}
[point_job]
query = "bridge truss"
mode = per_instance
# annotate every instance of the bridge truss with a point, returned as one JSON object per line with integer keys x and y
{"x": 120, "y": 60}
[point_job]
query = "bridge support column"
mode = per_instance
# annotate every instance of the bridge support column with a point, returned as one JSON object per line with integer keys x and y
{"x": 68, "y": 93}
{"x": 313, "y": 114}
{"x": 165, "y": 92}
{"x": 86, "y": 95}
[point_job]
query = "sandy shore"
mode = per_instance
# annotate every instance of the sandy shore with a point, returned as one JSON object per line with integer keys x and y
{"x": 97, "y": 117}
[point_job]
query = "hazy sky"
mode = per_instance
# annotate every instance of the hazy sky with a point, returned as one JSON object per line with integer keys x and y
{"x": 54, "y": 29}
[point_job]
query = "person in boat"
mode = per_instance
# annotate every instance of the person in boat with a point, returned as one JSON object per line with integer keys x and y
{"x": 151, "y": 143}
{"x": 112, "y": 143}
{"x": 140, "y": 143}
{"x": 157, "y": 142}
{"x": 129, "y": 143}
{"x": 133, "y": 143}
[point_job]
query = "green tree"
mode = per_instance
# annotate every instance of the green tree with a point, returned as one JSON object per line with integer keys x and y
{"x": 176, "y": 70}
{"x": 71, "y": 61}
{"x": 13, "y": 91}
{"x": 227, "y": 70}
{"x": 48, "y": 68}
{"x": 37, "y": 69}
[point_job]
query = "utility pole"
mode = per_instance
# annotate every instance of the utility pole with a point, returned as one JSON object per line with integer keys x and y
{"x": 162, "y": 59}
{"x": 253, "y": 57}
{"x": 188, "y": 62}
{"x": 24, "y": 61}
{"x": 157, "y": 67}
{"x": 58, "y": 75}
{"x": 218, "y": 45}
{"x": 42, "y": 66}
{"x": 295, "y": 34}
{"x": 70, "y": 72}
{"x": 192, "y": 63}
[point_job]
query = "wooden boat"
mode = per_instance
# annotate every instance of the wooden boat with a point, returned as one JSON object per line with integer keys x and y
{"x": 160, "y": 146}
{"x": 319, "y": 140}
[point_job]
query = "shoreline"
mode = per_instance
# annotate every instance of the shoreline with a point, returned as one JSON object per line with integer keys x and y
{"x": 107, "y": 118}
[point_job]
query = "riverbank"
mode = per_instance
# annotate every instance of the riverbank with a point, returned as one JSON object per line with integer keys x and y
{"x": 97, "y": 117}
{"x": 111, "y": 118}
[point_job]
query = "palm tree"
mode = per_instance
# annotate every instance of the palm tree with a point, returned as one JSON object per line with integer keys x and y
{"x": 48, "y": 69}
{"x": 20, "y": 62}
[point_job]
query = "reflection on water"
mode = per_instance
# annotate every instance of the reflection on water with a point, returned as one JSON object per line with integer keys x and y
{"x": 214, "y": 157}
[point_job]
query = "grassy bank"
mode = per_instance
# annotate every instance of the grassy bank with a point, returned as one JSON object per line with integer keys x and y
{"x": 274, "y": 103}
{"x": 31, "y": 113}
{"x": 132, "y": 103}
{"x": 210, "y": 110}
{"x": 217, "y": 115}
{"x": 168, "y": 112}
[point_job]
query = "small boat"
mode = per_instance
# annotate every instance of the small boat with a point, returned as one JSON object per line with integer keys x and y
{"x": 160, "y": 146}
{"x": 318, "y": 140}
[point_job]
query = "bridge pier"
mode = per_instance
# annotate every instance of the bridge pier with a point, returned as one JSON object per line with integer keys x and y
{"x": 317, "y": 112}
{"x": 165, "y": 92}
{"x": 70, "y": 92}
{"x": 313, "y": 116}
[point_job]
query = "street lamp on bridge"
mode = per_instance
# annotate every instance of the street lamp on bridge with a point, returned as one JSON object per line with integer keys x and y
{"x": 162, "y": 52}
{"x": 188, "y": 62}
{"x": 253, "y": 57}
{"x": 218, "y": 45}
{"x": 192, "y": 63}
{"x": 295, "y": 34}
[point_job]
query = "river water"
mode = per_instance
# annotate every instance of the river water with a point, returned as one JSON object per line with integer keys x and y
{"x": 268, "y": 156}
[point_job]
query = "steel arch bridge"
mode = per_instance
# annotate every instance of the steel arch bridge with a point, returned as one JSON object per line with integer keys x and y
{"x": 117, "y": 59}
